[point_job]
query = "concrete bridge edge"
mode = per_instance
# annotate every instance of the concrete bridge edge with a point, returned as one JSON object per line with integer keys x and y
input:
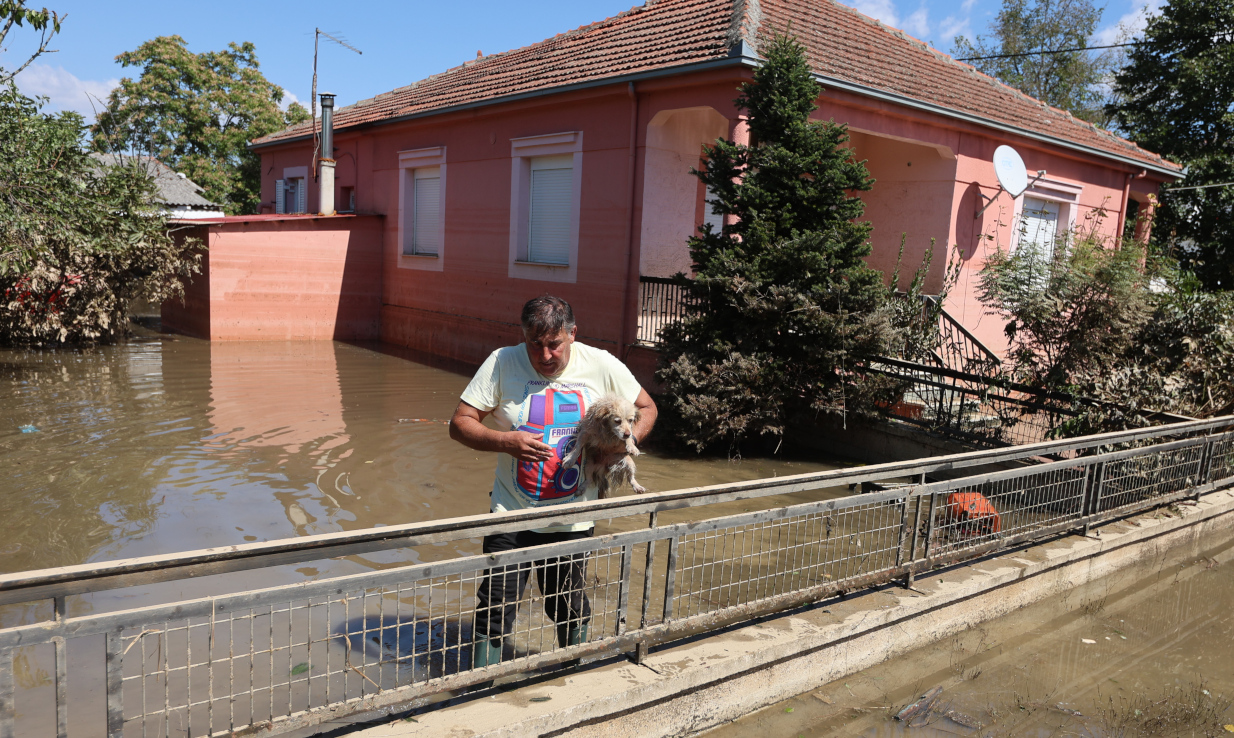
{"x": 685, "y": 689}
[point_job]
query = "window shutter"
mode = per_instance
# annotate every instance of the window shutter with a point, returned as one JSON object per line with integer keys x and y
{"x": 552, "y": 195}
{"x": 301, "y": 196}
{"x": 426, "y": 225}
{"x": 280, "y": 196}
{"x": 1039, "y": 233}
{"x": 710, "y": 215}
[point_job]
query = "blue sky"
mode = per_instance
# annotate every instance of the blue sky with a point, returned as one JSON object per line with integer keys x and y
{"x": 402, "y": 41}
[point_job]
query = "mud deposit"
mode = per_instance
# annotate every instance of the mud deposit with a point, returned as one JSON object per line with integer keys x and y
{"x": 1146, "y": 652}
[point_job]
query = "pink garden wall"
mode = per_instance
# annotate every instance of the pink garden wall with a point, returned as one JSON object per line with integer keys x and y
{"x": 287, "y": 278}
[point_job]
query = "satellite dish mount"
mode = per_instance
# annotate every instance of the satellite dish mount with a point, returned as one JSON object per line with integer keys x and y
{"x": 1012, "y": 175}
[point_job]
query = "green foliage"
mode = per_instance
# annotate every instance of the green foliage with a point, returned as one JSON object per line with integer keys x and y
{"x": 77, "y": 243}
{"x": 45, "y": 22}
{"x": 1105, "y": 323}
{"x": 1070, "y": 81}
{"x": 196, "y": 113}
{"x": 787, "y": 310}
{"x": 1176, "y": 97}
{"x": 1067, "y": 319}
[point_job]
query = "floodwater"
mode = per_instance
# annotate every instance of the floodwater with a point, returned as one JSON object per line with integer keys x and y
{"x": 1146, "y": 652}
{"x": 169, "y": 443}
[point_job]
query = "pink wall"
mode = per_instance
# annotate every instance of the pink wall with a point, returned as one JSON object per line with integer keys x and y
{"x": 930, "y": 170}
{"x": 290, "y": 278}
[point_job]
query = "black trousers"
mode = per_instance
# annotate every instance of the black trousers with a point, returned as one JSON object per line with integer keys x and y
{"x": 561, "y": 580}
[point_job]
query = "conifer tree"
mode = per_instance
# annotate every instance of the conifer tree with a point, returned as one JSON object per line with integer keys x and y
{"x": 785, "y": 308}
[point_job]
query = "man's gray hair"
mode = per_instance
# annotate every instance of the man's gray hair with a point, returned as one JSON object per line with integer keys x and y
{"x": 547, "y": 316}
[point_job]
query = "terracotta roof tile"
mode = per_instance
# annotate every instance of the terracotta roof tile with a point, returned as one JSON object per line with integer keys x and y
{"x": 842, "y": 44}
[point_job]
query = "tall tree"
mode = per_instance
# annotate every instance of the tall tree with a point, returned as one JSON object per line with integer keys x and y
{"x": 45, "y": 22}
{"x": 786, "y": 307}
{"x": 196, "y": 113}
{"x": 1071, "y": 80}
{"x": 78, "y": 242}
{"x": 1177, "y": 98}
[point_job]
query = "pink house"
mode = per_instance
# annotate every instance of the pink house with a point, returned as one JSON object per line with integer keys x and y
{"x": 564, "y": 167}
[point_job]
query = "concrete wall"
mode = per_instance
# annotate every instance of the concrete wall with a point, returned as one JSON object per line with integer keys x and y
{"x": 295, "y": 278}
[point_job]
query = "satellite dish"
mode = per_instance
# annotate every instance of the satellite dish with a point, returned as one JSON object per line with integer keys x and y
{"x": 1010, "y": 170}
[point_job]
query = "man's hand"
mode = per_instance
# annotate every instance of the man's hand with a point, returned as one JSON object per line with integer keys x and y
{"x": 467, "y": 427}
{"x": 526, "y": 446}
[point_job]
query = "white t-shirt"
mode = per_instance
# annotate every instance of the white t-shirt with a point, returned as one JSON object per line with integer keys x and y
{"x": 520, "y": 398}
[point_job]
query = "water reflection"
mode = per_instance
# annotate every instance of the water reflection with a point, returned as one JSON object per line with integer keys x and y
{"x": 168, "y": 444}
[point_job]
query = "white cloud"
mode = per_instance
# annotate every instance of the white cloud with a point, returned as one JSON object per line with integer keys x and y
{"x": 1130, "y": 25}
{"x": 951, "y": 26}
{"x": 918, "y": 24}
{"x": 64, "y": 90}
{"x": 967, "y": 6}
{"x": 883, "y": 10}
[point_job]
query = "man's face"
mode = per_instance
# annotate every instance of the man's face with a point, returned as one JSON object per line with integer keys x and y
{"x": 550, "y": 354}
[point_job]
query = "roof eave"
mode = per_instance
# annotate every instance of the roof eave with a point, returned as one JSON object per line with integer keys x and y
{"x": 914, "y": 103}
{"x": 730, "y": 61}
{"x": 742, "y": 55}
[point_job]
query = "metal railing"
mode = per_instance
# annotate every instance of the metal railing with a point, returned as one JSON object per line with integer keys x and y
{"x": 661, "y": 302}
{"x": 960, "y": 350}
{"x": 985, "y": 411}
{"x": 290, "y": 656}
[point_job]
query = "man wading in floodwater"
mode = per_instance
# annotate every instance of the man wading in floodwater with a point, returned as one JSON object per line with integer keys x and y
{"x": 538, "y": 392}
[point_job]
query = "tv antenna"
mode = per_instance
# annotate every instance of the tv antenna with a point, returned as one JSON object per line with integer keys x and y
{"x": 318, "y": 33}
{"x": 1012, "y": 175}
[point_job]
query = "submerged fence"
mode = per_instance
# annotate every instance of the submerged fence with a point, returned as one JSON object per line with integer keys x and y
{"x": 290, "y": 656}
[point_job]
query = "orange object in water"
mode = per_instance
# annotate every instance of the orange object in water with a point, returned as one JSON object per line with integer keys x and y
{"x": 973, "y": 513}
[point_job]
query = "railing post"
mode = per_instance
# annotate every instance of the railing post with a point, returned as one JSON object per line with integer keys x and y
{"x": 114, "y": 665}
{"x": 912, "y": 551}
{"x": 1206, "y": 464}
{"x": 929, "y": 541}
{"x": 670, "y": 579}
{"x": 8, "y": 710}
{"x": 1092, "y": 495}
{"x": 62, "y": 676}
{"x": 623, "y": 594}
{"x": 640, "y": 652}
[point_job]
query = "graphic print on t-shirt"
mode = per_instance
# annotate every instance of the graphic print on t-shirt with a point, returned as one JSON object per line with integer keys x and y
{"x": 555, "y": 413}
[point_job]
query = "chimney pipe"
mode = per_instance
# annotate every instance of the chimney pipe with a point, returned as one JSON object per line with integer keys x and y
{"x": 326, "y": 160}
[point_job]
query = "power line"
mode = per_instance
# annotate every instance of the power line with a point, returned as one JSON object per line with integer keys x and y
{"x": 1054, "y": 51}
{"x": 1214, "y": 39}
{"x": 1200, "y": 187}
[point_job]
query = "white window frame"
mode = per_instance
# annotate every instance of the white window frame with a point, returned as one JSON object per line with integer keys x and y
{"x": 1065, "y": 194}
{"x": 408, "y": 162}
{"x": 522, "y": 152}
{"x": 299, "y": 174}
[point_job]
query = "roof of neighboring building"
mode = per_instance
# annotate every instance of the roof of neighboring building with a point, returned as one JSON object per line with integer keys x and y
{"x": 173, "y": 189}
{"x": 847, "y": 49}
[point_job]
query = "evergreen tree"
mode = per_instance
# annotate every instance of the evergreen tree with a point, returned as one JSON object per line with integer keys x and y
{"x": 787, "y": 310}
{"x": 1177, "y": 99}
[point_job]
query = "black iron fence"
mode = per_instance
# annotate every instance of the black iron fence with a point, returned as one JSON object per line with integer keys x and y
{"x": 290, "y": 656}
{"x": 660, "y": 302}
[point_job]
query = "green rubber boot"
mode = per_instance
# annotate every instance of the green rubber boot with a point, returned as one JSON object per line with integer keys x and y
{"x": 571, "y": 634}
{"x": 486, "y": 653}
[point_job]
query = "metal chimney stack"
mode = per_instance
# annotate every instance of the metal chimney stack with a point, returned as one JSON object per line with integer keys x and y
{"x": 326, "y": 159}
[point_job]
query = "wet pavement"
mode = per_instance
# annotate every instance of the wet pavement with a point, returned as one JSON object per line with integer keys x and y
{"x": 1145, "y": 652}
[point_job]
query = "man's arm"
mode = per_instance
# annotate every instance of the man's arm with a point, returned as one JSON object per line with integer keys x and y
{"x": 647, "y": 413}
{"x": 468, "y": 428}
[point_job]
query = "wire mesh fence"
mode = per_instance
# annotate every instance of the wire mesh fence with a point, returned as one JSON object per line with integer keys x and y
{"x": 296, "y": 655}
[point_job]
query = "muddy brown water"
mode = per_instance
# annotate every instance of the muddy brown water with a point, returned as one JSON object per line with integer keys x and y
{"x": 168, "y": 444}
{"x": 1145, "y": 652}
